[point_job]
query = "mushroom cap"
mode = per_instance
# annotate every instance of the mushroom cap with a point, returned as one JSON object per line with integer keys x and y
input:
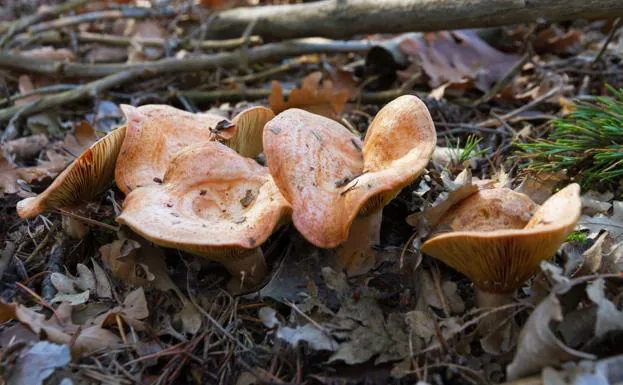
{"x": 157, "y": 132}
{"x": 212, "y": 202}
{"x": 247, "y": 141}
{"x": 500, "y": 261}
{"x": 86, "y": 177}
{"x": 329, "y": 177}
{"x": 488, "y": 210}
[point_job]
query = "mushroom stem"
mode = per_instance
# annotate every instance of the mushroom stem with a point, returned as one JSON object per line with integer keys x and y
{"x": 356, "y": 254}
{"x": 495, "y": 321}
{"x": 247, "y": 270}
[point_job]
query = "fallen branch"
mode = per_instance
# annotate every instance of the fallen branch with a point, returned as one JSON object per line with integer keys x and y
{"x": 83, "y": 92}
{"x": 340, "y": 19}
{"x": 25, "y": 22}
{"x": 53, "y": 37}
{"x": 128, "y": 13}
{"x": 193, "y": 64}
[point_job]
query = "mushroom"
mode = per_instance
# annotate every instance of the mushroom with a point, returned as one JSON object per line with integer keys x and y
{"x": 214, "y": 203}
{"x": 85, "y": 178}
{"x": 493, "y": 239}
{"x": 155, "y": 133}
{"x": 337, "y": 186}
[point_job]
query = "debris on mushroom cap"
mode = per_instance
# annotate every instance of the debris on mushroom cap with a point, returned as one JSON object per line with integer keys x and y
{"x": 501, "y": 260}
{"x": 247, "y": 141}
{"x": 212, "y": 202}
{"x": 83, "y": 179}
{"x": 155, "y": 133}
{"x": 311, "y": 159}
{"x": 329, "y": 178}
{"x": 489, "y": 209}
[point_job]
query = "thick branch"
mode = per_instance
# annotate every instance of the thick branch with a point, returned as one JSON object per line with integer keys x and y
{"x": 340, "y": 19}
{"x": 193, "y": 64}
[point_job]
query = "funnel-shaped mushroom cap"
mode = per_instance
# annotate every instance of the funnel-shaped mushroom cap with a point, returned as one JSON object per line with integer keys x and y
{"x": 501, "y": 260}
{"x": 399, "y": 144}
{"x": 81, "y": 181}
{"x": 488, "y": 210}
{"x": 320, "y": 169}
{"x": 212, "y": 202}
{"x": 157, "y": 132}
{"x": 247, "y": 141}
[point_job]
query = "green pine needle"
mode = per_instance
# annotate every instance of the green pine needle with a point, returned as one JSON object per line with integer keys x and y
{"x": 588, "y": 143}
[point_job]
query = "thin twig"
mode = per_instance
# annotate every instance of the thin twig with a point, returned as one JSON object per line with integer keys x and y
{"x": 25, "y": 22}
{"x": 89, "y": 220}
{"x": 85, "y": 91}
{"x": 127, "y": 13}
{"x": 615, "y": 27}
{"x": 123, "y": 41}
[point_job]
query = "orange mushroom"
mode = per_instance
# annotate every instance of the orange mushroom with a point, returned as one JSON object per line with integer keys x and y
{"x": 155, "y": 133}
{"x": 214, "y": 203}
{"x": 337, "y": 186}
{"x": 85, "y": 178}
{"x": 495, "y": 241}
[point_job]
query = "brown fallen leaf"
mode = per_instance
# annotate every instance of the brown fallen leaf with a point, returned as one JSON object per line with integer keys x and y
{"x": 538, "y": 344}
{"x": 25, "y": 147}
{"x": 315, "y": 95}
{"x": 60, "y": 329}
{"x": 454, "y": 56}
{"x": 133, "y": 310}
{"x": 8, "y": 177}
{"x": 144, "y": 29}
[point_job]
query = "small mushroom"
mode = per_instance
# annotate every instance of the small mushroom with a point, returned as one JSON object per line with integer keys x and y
{"x": 338, "y": 186}
{"x": 86, "y": 177}
{"x": 494, "y": 240}
{"x": 214, "y": 203}
{"x": 156, "y": 133}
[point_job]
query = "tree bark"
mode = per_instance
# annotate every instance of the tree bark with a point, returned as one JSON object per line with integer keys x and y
{"x": 343, "y": 18}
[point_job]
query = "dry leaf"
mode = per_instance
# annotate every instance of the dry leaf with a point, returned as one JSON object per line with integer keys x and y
{"x": 594, "y": 202}
{"x": 102, "y": 284}
{"x": 613, "y": 223}
{"x": 315, "y": 95}
{"x": 37, "y": 362}
{"x": 539, "y": 187}
{"x": 8, "y": 177}
{"x": 133, "y": 310}
{"x": 25, "y": 147}
{"x": 316, "y": 338}
{"x": 454, "y": 56}
{"x": 144, "y": 29}
{"x": 59, "y": 328}
{"x": 608, "y": 316}
{"x": 457, "y": 190}
{"x": 538, "y": 346}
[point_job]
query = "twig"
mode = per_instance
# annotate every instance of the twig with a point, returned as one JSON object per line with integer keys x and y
{"x": 88, "y": 37}
{"x": 85, "y": 91}
{"x": 89, "y": 220}
{"x": 41, "y": 91}
{"x": 194, "y": 64}
{"x": 510, "y": 75}
{"x": 127, "y": 13}
{"x": 615, "y": 27}
{"x": 7, "y": 255}
{"x": 23, "y": 23}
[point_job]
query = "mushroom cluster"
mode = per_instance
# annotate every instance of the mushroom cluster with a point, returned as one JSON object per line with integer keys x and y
{"x": 191, "y": 183}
